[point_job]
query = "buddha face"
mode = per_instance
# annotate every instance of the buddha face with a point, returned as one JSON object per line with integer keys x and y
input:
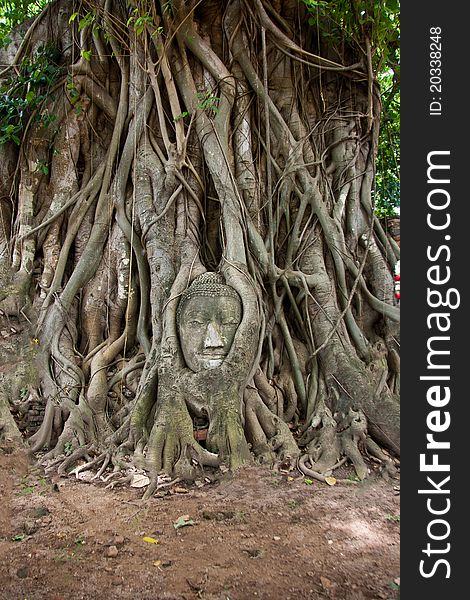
{"x": 207, "y": 327}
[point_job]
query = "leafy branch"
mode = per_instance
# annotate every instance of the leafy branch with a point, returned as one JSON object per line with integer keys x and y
{"x": 21, "y": 96}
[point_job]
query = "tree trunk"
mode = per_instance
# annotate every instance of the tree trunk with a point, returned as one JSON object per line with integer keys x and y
{"x": 191, "y": 138}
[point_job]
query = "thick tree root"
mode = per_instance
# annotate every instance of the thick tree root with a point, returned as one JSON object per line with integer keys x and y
{"x": 325, "y": 450}
{"x": 270, "y": 437}
{"x": 172, "y": 448}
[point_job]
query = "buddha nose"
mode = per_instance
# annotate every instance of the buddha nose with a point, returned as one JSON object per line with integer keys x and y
{"x": 213, "y": 339}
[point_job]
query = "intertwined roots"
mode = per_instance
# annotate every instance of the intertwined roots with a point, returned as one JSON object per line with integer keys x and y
{"x": 169, "y": 141}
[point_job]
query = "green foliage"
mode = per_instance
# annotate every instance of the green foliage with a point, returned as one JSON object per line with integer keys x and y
{"x": 24, "y": 95}
{"x": 31, "y": 487}
{"x": 387, "y": 181}
{"x": 86, "y": 21}
{"x": 42, "y": 167}
{"x": 15, "y": 12}
{"x": 350, "y": 24}
{"x": 26, "y": 490}
{"x": 139, "y": 21}
{"x": 142, "y": 19}
{"x": 207, "y": 101}
{"x": 184, "y": 114}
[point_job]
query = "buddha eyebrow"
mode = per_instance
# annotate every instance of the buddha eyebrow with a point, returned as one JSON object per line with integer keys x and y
{"x": 198, "y": 313}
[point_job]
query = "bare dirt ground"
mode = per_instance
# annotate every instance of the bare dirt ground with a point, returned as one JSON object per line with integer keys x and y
{"x": 259, "y": 535}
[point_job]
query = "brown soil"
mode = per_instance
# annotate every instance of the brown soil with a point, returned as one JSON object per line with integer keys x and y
{"x": 259, "y": 535}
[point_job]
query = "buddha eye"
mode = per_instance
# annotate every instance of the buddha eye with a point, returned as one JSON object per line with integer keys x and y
{"x": 231, "y": 322}
{"x": 196, "y": 323}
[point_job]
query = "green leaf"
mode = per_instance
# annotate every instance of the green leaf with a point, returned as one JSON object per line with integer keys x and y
{"x": 87, "y": 20}
{"x": 393, "y": 518}
{"x": 73, "y": 16}
{"x": 86, "y": 54}
{"x": 181, "y": 116}
{"x": 182, "y": 522}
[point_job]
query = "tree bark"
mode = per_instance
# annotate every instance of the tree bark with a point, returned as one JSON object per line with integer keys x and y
{"x": 193, "y": 138}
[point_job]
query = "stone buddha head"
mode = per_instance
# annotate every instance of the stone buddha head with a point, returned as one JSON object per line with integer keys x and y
{"x": 208, "y": 316}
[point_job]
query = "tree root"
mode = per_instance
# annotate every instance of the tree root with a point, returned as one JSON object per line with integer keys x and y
{"x": 127, "y": 479}
{"x": 306, "y": 470}
{"x": 73, "y": 458}
{"x": 389, "y": 469}
{"x": 352, "y": 437}
{"x": 270, "y": 437}
{"x": 327, "y": 446}
{"x": 159, "y": 483}
{"x": 90, "y": 464}
{"x": 172, "y": 447}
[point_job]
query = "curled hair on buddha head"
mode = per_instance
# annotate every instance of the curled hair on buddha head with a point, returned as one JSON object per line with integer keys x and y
{"x": 208, "y": 284}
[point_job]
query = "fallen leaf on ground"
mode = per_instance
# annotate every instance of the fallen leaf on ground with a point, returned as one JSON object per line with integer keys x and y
{"x": 111, "y": 552}
{"x": 150, "y": 540}
{"x": 327, "y": 584}
{"x": 330, "y": 480}
{"x": 139, "y": 480}
{"x": 183, "y": 521}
